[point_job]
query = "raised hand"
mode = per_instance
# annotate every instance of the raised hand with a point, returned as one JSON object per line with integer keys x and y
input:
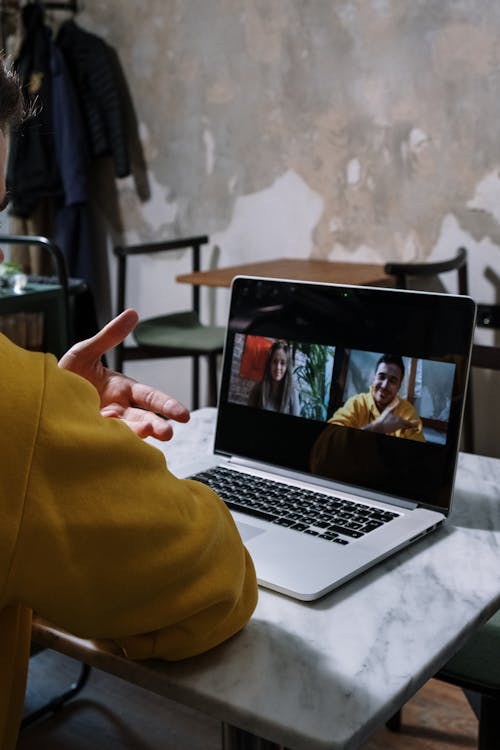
{"x": 144, "y": 409}
{"x": 389, "y": 422}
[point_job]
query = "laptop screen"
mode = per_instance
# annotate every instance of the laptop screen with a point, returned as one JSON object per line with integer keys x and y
{"x": 358, "y": 385}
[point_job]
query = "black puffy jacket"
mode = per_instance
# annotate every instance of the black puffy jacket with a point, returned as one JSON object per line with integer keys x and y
{"x": 91, "y": 62}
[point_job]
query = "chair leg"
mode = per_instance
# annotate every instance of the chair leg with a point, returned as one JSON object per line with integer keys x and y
{"x": 59, "y": 700}
{"x": 489, "y": 724}
{"x": 237, "y": 739}
{"x": 394, "y": 723}
{"x": 474, "y": 701}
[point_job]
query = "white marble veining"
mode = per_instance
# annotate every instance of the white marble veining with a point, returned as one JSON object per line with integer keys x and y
{"x": 326, "y": 674}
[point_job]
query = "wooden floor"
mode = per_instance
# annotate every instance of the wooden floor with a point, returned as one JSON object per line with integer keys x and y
{"x": 110, "y": 714}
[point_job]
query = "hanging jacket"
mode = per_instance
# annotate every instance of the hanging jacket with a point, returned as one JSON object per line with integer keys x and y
{"x": 32, "y": 171}
{"x": 90, "y": 61}
{"x": 50, "y": 151}
{"x": 70, "y": 140}
{"x": 72, "y": 223}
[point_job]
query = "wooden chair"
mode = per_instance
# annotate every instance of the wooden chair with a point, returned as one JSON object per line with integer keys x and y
{"x": 179, "y": 334}
{"x": 405, "y": 274}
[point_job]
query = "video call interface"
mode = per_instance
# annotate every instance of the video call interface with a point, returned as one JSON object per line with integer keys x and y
{"x": 324, "y": 379}
{"x": 351, "y": 385}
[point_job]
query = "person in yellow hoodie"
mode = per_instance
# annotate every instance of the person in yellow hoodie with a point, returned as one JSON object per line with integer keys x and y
{"x": 96, "y": 535}
{"x": 381, "y": 410}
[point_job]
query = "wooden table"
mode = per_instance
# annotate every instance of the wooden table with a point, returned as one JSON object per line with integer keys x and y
{"x": 324, "y": 675}
{"x": 300, "y": 269}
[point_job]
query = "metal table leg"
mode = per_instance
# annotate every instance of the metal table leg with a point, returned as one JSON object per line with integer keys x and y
{"x": 237, "y": 739}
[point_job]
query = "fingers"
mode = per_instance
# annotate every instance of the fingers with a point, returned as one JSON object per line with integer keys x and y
{"x": 143, "y": 423}
{"x": 390, "y": 407}
{"x": 157, "y": 402}
{"x": 403, "y": 424}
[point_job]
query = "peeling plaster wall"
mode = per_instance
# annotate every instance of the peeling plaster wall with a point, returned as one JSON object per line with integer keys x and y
{"x": 342, "y": 129}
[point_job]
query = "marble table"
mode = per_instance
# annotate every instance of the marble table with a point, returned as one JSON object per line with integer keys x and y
{"x": 325, "y": 675}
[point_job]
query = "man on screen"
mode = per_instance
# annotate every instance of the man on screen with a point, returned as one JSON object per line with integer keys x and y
{"x": 381, "y": 409}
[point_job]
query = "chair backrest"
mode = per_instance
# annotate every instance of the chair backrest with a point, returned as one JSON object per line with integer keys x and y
{"x": 122, "y": 252}
{"x": 403, "y": 272}
{"x": 485, "y": 358}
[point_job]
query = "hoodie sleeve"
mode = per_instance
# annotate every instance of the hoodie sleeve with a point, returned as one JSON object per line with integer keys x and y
{"x": 110, "y": 544}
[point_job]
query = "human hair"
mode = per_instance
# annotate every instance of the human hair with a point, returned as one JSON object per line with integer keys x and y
{"x": 11, "y": 98}
{"x": 392, "y": 359}
{"x": 285, "y": 385}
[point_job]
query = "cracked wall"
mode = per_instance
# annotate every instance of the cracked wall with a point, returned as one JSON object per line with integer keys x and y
{"x": 385, "y": 110}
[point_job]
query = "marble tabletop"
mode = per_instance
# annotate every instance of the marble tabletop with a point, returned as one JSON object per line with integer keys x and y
{"x": 326, "y": 674}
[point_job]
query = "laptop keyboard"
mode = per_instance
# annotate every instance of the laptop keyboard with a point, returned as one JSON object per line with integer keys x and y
{"x": 332, "y": 518}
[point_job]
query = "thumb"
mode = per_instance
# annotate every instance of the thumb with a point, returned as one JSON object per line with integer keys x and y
{"x": 108, "y": 337}
{"x": 114, "y": 332}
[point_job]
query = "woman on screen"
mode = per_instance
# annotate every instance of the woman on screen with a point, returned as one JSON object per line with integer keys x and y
{"x": 275, "y": 392}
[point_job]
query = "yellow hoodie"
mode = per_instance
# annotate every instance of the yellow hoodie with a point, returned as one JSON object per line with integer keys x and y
{"x": 98, "y": 537}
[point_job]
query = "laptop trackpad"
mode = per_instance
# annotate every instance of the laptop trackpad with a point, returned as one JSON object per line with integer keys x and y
{"x": 247, "y": 532}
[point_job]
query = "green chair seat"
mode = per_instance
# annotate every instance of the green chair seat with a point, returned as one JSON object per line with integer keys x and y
{"x": 476, "y": 669}
{"x": 182, "y": 331}
{"x": 477, "y": 664}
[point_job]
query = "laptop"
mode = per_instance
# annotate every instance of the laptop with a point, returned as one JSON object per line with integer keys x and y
{"x": 317, "y": 496}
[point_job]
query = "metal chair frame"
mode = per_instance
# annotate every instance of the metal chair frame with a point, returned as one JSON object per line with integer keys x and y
{"x": 58, "y": 701}
{"x": 403, "y": 271}
{"x": 125, "y": 352}
{"x": 61, "y": 274}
